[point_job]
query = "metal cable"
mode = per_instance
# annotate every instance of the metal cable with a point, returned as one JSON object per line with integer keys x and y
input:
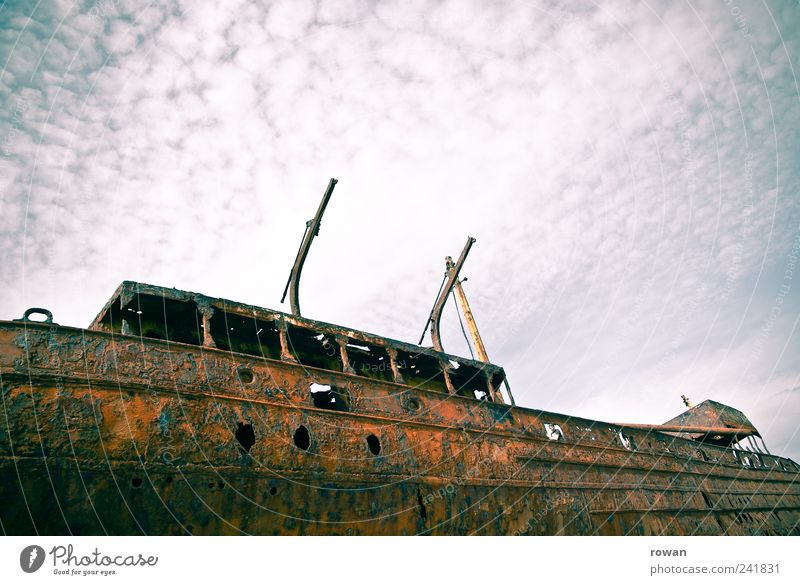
{"x": 460, "y": 322}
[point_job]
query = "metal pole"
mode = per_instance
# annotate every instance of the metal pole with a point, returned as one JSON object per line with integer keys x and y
{"x": 312, "y": 230}
{"x": 480, "y": 349}
{"x": 445, "y": 292}
{"x": 765, "y": 446}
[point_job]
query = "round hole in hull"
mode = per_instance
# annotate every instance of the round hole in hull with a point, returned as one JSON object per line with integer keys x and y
{"x": 302, "y": 440}
{"x": 245, "y": 375}
{"x": 374, "y": 445}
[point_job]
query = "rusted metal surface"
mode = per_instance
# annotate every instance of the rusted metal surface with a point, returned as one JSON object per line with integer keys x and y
{"x": 690, "y": 429}
{"x": 452, "y": 277}
{"x": 720, "y": 419}
{"x": 229, "y": 419}
{"x": 712, "y": 414}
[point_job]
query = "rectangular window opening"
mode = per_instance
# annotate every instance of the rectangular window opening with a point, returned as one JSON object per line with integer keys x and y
{"x": 245, "y": 334}
{"x": 470, "y": 381}
{"x": 421, "y": 370}
{"x": 157, "y": 317}
{"x": 371, "y": 361}
{"x": 313, "y": 348}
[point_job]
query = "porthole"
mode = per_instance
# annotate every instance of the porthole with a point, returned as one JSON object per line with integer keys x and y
{"x": 374, "y": 444}
{"x": 413, "y": 404}
{"x": 245, "y": 375}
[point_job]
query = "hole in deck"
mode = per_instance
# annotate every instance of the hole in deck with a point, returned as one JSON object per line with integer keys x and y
{"x": 302, "y": 440}
{"x": 374, "y": 445}
{"x": 136, "y": 482}
{"x": 246, "y": 437}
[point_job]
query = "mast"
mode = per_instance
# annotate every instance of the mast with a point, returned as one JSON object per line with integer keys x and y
{"x": 312, "y": 230}
{"x": 450, "y": 283}
{"x": 452, "y": 278}
{"x": 480, "y": 349}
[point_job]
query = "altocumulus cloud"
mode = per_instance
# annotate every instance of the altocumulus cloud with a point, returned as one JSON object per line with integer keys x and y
{"x": 630, "y": 171}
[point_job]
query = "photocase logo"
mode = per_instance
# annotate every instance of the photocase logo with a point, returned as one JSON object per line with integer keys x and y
{"x": 31, "y": 558}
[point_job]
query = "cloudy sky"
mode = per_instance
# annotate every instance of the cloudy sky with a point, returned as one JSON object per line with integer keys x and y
{"x": 630, "y": 171}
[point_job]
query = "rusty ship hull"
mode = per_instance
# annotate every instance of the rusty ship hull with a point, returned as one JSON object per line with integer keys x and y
{"x": 176, "y": 413}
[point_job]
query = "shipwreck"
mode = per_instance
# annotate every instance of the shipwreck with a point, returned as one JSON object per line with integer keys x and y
{"x": 177, "y": 413}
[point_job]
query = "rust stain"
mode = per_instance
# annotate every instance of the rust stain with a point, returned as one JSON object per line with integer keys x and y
{"x": 224, "y": 418}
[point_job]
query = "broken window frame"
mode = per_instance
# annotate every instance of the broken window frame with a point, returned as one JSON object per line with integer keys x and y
{"x": 250, "y": 335}
{"x": 369, "y": 360}
{"x": 204, "y": 320}
{"x": 301, "y": 343}
{"x": 159, "y": 317}
{"x": 554, "y": 432}
{"x": 423, "y": 371}
{"x": 329, "y": 397}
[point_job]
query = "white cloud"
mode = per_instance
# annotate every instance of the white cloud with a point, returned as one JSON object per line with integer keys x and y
{"x": 627, "y": 246}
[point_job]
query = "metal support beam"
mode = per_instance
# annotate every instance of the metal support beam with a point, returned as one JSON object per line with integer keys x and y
{"x": 206, "y": 312}
{"x": 461, "y": 296}
{"x": 737, "y": 432}
{"x": 396, "y": 375}
{"x": 436, "y": 314}
{"x": 508, "y": 389}
{"x": 286, "y": 351}
{"x": 341, "y": 341}
{"x": 446, "y": 367}
{"x": 494, "y": 393}
{"x": 312, "y": 230}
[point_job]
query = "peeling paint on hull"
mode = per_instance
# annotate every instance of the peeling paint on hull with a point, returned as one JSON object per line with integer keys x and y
{"x": 105, "y": 433}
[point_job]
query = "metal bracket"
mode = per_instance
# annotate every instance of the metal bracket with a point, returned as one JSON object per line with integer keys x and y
{"x": 26, "y": 317}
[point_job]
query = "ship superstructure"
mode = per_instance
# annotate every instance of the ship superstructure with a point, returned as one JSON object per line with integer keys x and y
{"x": 178, "y": 413}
